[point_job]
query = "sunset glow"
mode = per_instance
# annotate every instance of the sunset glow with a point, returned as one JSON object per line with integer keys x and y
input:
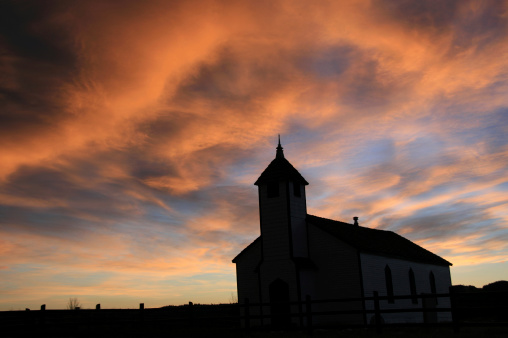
{"x": 131, "y": 134}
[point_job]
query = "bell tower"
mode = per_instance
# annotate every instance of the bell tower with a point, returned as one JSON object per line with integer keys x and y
{"x": 282, "y": 210}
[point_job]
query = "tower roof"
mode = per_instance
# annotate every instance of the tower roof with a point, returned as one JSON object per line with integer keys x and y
{"x": 280, "y": 169}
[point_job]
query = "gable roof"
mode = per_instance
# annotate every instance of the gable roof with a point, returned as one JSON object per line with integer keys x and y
{"x": 376, "y": 241}
{"x": 381, "y": 242}
{"x": 247, "y": 248}
{"x": 280, "y": 169}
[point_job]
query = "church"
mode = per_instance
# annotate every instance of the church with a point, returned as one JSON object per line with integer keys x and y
{"x": 299, "y": 255}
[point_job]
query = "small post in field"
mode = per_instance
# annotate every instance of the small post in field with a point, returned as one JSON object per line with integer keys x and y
{"x": 191, "y": 314}
{"x": 247, "y": 314}
{"x": 308, "y": 310}
{"x": 377, "y": 312}
{"x": 453, "y": 306}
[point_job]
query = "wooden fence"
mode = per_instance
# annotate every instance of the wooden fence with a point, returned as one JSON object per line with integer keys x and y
{"x": 243, "y": 316}
{"x": 495, "y": 313}
{"x": 308, "y": 314}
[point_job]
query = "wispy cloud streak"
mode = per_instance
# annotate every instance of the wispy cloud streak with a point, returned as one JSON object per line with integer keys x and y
{"x": 131, "y": 134}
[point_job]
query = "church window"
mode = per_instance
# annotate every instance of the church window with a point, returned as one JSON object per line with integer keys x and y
{"x": 389, "y": 284}
{"x": 273, "y": 189}
{"x": 412, "y": 286}
{"x": 296, "y": 189}
{"x": 432, "y": 281}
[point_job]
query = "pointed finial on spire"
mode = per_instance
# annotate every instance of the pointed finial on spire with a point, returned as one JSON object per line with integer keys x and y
{"x": 280, "y": 153}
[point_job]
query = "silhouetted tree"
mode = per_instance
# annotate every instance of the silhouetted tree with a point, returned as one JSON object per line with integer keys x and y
{"x": 465, "y": 288}
{"x": 73, "y": 303}
{"x": 233, "y": 299}
{"x": 500, "y": 285}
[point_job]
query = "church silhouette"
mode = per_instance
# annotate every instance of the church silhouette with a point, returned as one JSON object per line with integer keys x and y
{"x": 299, "y": 255}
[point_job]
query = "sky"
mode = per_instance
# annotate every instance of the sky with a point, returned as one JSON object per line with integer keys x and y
{"x": 131, "y": 133}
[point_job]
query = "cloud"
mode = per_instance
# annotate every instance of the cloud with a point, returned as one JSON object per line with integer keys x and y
{"x": 131, "y": 133}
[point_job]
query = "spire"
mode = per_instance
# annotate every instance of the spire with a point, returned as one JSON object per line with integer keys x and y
{"x": 280, "y": 153}
{"x": 280, "y": 169}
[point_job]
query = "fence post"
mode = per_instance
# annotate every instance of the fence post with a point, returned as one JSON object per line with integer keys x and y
{"x": 42, "y": 317}
{"x": 453, "y": 306}
{"x": 141, "y": 313}
{"x": 377, "y": 313}
{"x": 425, "y": 313}
{"x": 29, "y": 317}
{"x": 247, "y": 314}
{"x": 308, "y": 310}
{"x": 191, "y": 314}
{"x": 95, "y": 316}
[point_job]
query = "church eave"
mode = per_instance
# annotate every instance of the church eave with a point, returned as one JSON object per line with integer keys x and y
{"x": 247, "y": 248}
{"x": 440, "y": 261}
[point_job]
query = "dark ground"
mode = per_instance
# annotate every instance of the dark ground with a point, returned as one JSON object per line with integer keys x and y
{"x": 222, "y": 320}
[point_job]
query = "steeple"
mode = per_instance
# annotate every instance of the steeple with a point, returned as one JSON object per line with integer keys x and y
{"x": 280, "y": 153}
{"x": 280, "y": 169}
{"x": 282, "y": 210}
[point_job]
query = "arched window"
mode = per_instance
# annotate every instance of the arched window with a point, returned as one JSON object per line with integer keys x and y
{"x": 412, "y": 286}
{"x": 389, "y": 284}
{"x": 432, "y": 282}
{"x": 279, "y": 303}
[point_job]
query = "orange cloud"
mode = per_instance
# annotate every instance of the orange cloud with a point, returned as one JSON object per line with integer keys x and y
{"x": 131, "y": 133}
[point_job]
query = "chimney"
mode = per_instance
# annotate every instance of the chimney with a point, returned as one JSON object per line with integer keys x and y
{"x": 356, "y": 220}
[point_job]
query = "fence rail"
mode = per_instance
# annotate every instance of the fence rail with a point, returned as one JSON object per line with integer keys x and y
{"x": 460, "y": 315}
{"x": 309, "y": 313}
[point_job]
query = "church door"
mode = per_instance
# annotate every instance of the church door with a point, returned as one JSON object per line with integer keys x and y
{"x": 279, "y": 303}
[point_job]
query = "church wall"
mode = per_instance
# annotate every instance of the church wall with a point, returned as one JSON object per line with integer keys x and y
{"x": 284, "y": 270}
{"x": 373, "y": 270}
{"x": 298, "y": 221}
{"x": 274, "y": 224}
{"x": 275, "y": 229}
{"x": 337, "y": 276}
{"x": 277, "y": 263}
{"x": 247, "y": 280}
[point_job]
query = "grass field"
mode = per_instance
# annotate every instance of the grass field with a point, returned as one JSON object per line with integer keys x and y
{"x": 106, "y": 330}
{"x": 469, "y": 332}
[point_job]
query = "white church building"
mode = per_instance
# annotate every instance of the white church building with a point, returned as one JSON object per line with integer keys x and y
{"x": 299, "y": 255}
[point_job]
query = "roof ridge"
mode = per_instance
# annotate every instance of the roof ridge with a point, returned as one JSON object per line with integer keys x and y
{"x": 359, "y": 226}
